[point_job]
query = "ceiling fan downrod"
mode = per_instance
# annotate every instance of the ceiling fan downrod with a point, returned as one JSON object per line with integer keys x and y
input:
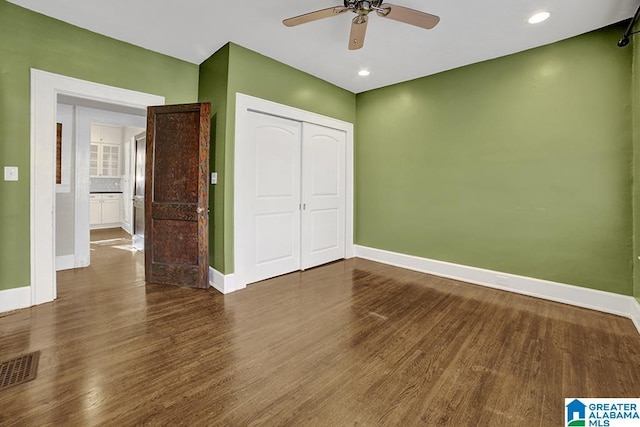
{"x": 627, "y": 34}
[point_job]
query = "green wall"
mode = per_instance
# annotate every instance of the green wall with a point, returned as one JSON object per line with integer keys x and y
{"x": 30, "y": 40}
{"x": 214, "y": 74}
{"x": 521, "y": 164}
{"x": 253, "y": 74}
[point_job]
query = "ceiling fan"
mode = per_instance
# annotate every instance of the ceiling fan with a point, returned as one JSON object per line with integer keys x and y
{"x": 362, "y": 8}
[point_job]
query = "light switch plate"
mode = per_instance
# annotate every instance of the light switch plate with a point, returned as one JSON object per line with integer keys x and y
{"x": 214, "y": 177}
{"x": 10, "y": 173}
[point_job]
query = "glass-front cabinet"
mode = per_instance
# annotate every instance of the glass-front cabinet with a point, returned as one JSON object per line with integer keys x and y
{"x": 104, "y": 154}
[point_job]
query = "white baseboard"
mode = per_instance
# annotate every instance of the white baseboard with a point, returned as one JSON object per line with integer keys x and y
{"x": 14, "y": 299}
{"x": 65, "y": 262}
{"x": 223, "y": 283}
{"x": 102, "y": 226}
{"x": 635, "y": 313}
{"x": 607, "y": 302}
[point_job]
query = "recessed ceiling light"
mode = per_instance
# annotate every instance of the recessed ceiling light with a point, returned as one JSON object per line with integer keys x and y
{"x": 539, "y": 17}
{"x": 364, "y": 73}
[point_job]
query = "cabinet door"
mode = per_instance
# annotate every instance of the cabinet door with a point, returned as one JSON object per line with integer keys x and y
{"x": 115, "y": 161}
{"x": 110, "y": 161}
{"x": 111, "y": 134}
{"x": 96, "y": 133}
{"x": 94, "y": 151}
{"x": 95, "y": 209}
{"x": 106, "y": 134}
{"x": 111, "y": 208}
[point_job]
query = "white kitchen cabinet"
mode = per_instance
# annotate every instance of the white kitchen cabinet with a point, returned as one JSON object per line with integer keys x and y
{"x": 104, "y": 160}
{"x": 111, "y": 208}
{"x": 104, "y": 153}
{"x": 94, "y": 153}
{"x": 107, "y": 134}
{"x": 105, "y": 210}
{"x": 110, "y": 165}
{"x": 95, "y": 209}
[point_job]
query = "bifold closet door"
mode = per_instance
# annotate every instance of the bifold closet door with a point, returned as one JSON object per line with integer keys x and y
{"x": 323, "y": 195}
{"x": 271, "y": 211}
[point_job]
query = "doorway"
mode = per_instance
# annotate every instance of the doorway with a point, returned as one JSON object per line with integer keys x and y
{"x": 45, "y": 88}
{"x": 96, "y": 154}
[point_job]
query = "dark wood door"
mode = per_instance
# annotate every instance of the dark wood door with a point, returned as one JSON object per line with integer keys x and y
{"x": 177, "y": 195}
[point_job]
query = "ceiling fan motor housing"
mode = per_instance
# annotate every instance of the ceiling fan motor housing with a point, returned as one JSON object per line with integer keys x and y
{"x": 365, "y": 6}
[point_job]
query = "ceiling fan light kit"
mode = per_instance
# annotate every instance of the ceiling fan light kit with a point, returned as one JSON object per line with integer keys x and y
{"x": 362, "y": 8}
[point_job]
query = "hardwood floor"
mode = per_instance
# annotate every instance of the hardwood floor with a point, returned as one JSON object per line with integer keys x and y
{"x": 349, "y": 343}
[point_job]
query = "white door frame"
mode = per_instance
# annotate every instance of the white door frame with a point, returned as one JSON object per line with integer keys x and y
{"x": 45, "y": 88}
{"x": 246, "y": 104}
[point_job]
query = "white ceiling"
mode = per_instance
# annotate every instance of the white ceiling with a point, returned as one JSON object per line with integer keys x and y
{"x": 469, "y": 31}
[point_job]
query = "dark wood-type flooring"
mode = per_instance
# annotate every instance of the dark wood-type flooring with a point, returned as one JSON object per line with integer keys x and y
{"x": 349, "y": 343}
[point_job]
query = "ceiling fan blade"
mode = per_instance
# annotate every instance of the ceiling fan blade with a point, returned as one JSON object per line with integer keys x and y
{"x": 358, "y": 30}
{"x": 409, "y": 16}
{"x": 314, "y": 16}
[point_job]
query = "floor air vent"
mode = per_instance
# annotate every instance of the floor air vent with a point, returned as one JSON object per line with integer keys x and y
{"x": 19, "y": 370}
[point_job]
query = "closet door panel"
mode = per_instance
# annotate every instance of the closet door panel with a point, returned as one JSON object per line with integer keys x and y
{"x": 323, "y": 195}
{"x": 272, "y": 210}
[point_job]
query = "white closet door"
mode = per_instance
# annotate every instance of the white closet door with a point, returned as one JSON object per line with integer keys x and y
{"x": 272, "y": 211}
{"x": 323, "y": 195}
